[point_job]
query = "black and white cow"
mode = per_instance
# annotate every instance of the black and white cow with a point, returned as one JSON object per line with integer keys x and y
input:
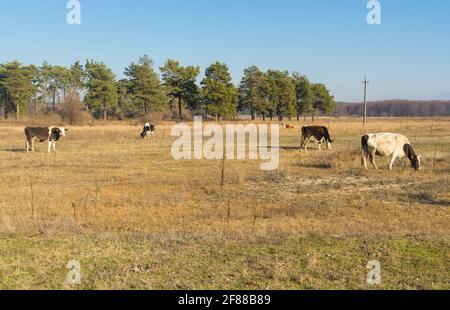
{"x": 44, "y": 134}
{"x": 388, "y": 144}
{"x": 318, "y": 133}
{"x": 149, "y": 131}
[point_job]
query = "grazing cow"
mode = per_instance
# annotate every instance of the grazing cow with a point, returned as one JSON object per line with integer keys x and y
{"x": 319, "y": 133}
{"x": 287, "y": 126}
{"x": 44, "y": 134}
{"x": 388, "y": 144}
{"x": 149, "y": 131}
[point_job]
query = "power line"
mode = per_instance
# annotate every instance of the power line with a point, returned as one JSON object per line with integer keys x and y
{"x": 365, "y": 82}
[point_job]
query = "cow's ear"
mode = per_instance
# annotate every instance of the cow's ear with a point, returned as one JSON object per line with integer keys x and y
{"x": 65, "y": 129}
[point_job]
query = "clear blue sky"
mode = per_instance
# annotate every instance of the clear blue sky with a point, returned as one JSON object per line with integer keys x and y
{"x": 407, "y": 56}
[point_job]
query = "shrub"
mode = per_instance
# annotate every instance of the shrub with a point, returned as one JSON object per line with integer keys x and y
{"x": 154, "y": 117}
{"x": 44, "y": 120}
{"x": 73, "y": 113}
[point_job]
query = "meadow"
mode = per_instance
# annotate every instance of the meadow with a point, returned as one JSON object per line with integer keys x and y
{"x": 137, "y": 219}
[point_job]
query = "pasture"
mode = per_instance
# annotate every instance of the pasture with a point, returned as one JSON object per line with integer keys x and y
{"x": 136, "y": 219}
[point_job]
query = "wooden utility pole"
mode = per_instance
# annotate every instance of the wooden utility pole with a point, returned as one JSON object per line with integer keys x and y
{"x": 365, "y": 82}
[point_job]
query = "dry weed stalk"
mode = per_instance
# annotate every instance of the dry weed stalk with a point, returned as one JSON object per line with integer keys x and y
{"x": 32, "y": 198}
{"x": 75, "y": 214}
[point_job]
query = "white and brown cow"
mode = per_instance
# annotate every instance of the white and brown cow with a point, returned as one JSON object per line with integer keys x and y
{"x": 388, "y": 144}
{"x": 149, "y": 131}
{"x": 44, "y": 134}
{"x": 287, "y": 126}
{"x": 318, "y": 133}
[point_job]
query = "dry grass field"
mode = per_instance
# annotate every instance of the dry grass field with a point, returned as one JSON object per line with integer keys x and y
{"x": 136, "y": 219}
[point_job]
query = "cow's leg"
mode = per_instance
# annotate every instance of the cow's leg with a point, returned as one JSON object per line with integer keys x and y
{"x": 49, "y": 147}
{"x": 32, "y": 146}
{"x": 372, "y": 159}
{"x": 329, "y": 146}
{"x": 27, "y": 145}
{"x": 394, "y": 158}
{"x": 54, "y": 146}
{"x": 364, "y": 159}
{"x": 320, "y": 146}
{"x": 309, "y": 140}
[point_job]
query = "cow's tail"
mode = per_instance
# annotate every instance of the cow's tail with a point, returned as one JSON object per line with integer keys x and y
{"x": 28, "y": 134}
{"x": 303, "y": 137}
{"x": 28, "y": 139}
{"x": 327, "y": 136}
{"x": 364, "y": 150}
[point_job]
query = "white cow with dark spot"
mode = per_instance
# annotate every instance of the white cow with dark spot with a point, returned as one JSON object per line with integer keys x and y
{"x": 388, "y": 144}
{"x": 148, "y": 131}
{"x": 50, "y": 135}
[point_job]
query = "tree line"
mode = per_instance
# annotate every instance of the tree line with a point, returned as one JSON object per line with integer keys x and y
{"x": 396, "y": 108}
{"x": 94, "y": 86}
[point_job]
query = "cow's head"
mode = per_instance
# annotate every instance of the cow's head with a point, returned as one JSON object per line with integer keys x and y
{"x": 146, "y": 129}
{"x": 57, "y": 132}
{"x": 413, "y": 157}
{"x": 415, "y": 162}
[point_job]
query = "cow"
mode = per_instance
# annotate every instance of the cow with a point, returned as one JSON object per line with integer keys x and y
{"x": 319, "y": 133}
{"x": 388, "y": 144}
{"x": 149, "y": 131}
{"x": 44, "y": 134}
{"x": 287, "y": 126}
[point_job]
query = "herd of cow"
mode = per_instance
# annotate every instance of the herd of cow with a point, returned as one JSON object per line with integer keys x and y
{"x": 392, "y": 145}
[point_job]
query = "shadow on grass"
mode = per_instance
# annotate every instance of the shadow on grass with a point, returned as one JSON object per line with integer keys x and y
{"x": 12, "y": 150}
{"x": 290, "y": 148}
{"x": 425, "y": 198}
{"x": 294, "y": 148}
{"x": 324, "y": 166}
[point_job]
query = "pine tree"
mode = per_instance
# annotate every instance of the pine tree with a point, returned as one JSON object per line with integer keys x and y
{"x": 220, "y": 96}
{"x": 282, "y": 93}
{"x": 17, "y": 84}
{"x": 43, "y": 82}
{"x": 304, "y": 94}
{"x": 180, "y": 82}
{"x": 101, "y": 95}
{"x": 323, "y": 101}
{"x": 125, "y": 102}
{"x": 76, "y": 79}
{"x": 59, "y": 81}
{"x": 145, "y": 86}
{"x": 254, "y": 92}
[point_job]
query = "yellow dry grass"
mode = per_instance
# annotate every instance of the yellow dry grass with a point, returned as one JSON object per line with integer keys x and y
{"x": 135, "y": 218}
